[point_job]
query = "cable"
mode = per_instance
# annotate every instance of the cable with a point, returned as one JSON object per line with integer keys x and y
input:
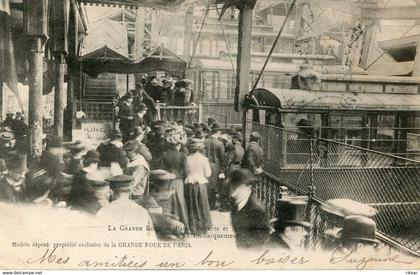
{"x": 198, "y": 36}
{"x": 274, "y": 45}
{"x": 227, "y": 42}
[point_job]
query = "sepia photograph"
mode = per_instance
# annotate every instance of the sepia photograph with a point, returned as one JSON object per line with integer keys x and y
{"x": 209, "y": 135}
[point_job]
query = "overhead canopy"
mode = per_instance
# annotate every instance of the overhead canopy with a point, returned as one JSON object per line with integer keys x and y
{"x": 319, "y": 100}
{"x": 160, "y": 60}
{"x": 401, "y": 49}
{"x": 393, "y": 68}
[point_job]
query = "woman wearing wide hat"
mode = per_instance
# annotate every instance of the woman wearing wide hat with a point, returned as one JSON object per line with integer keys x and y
{"x": 290, "y": 225}
{"x": 196, "y": 187}
{"x": 174, "y": 161}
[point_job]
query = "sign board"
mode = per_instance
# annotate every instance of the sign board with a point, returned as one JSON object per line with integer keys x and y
{"x": 94, "y": 133}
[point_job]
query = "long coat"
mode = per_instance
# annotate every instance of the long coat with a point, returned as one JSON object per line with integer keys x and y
{"x": 250, "y": 225}
{"x": 126, "y": 116}
{"x": 216, "y": 155}
{"x": 253, "y": 157}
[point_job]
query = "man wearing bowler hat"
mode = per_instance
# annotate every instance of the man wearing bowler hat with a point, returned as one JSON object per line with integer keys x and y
{"x": 123, "y": 211}
{"x": 357, "y": 232}
{"x": 249, "y": 219}
{"x": 290, "y": 226}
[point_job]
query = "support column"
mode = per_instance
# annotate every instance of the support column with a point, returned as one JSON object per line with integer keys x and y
{"x": 2, "y": 115}
{"x": 370, "y": 37}
{"x": 188, "y": 33}
{"x": 68, "y": 126}
{"x": 244, "y": 55}
{"x": 59, "y": 95}
{"x": 139, "y": 33}
{"x": 35, "y": 96}
{"x": 155, "y": 26}
{"x": 416, "y": 70}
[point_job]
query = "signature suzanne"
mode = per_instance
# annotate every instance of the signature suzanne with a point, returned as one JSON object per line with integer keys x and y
{"x": 350, "y": 257}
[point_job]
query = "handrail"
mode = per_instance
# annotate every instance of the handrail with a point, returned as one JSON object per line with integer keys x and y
{"x": 341, "y": 143}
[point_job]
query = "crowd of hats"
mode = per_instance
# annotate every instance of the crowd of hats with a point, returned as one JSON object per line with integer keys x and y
{"x": 156, "y": 85}
{"x": 354, "y": 219}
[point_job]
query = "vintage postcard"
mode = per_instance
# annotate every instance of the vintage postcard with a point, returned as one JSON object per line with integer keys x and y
{"x": 210, "y": 134}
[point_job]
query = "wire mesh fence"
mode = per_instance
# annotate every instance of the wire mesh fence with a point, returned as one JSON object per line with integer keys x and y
{"x": 325, "y": 170}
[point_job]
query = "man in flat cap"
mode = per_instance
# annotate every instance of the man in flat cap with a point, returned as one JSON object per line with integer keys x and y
{"x": 123, "y": 211}
{"x": 253, "y": 157}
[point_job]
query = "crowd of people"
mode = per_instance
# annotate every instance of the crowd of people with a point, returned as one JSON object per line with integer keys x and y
{"x": 166, "y": 174}
{"x": 177, "y": 173}
{"x": 138, "y": 107}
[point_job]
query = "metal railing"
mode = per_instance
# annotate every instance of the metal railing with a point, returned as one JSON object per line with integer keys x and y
{"x": 323, "y": 170}
{"x": 188, "y": 114}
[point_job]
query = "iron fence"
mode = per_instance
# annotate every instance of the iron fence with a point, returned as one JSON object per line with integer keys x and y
{"x": 323, "y": 170}
{"x": 188, "y": 114}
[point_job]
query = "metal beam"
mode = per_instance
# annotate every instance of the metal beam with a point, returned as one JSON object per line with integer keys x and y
{"x": 392, "y": 13}
{"x": 244, "y": 55}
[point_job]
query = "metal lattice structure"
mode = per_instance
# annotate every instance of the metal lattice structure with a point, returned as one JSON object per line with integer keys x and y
{"x": 188, "y": 114}
{"x": 325, "y": 170}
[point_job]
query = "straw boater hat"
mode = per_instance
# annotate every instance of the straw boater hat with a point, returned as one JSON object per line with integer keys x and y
{"x": 6, "y": 136}
{"x": 346, "y": 207}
